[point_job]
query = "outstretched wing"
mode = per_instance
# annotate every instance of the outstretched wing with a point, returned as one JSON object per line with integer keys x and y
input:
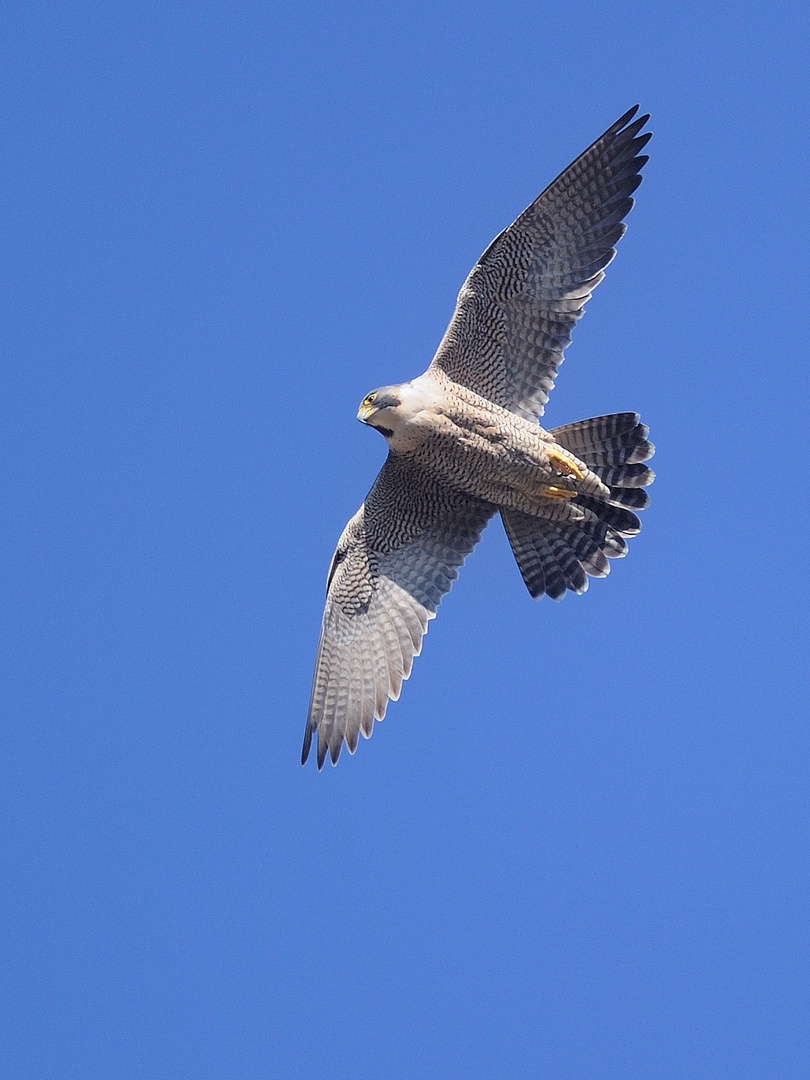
{"x": 396, "y": 559}
{"x": 515, "y": 313}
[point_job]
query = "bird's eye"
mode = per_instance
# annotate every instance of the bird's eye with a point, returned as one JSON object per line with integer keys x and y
{"x": 369, "y": 400}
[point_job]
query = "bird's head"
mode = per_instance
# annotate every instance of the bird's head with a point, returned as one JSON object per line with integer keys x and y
{"x": 379, "y": 409}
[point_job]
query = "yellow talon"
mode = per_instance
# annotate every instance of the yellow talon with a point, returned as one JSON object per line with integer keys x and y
{"x": 565, "y": 466}
{"x": 552, "y": 492}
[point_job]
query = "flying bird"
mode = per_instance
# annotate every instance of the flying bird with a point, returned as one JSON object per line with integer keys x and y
{"x": 464, "y": 443}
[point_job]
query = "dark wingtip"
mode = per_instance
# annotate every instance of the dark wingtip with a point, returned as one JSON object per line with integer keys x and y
{"x": 624, "y": 128}
{"x": 307, "y": 745}
{"x": 628, "y": 116}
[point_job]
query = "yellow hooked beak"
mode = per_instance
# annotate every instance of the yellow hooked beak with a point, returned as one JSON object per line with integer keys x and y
{"x": 364, "y": 412}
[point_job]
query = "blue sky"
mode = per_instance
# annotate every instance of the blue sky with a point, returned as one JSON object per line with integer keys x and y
{"x": 577, "y": 846}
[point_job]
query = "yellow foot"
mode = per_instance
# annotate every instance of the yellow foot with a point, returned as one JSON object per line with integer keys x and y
{"x": 564, "y": 466}
{"x": 553, "y": 492}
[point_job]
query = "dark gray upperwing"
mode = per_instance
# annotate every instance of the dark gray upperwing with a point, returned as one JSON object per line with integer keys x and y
{"x": 396, "y": 559}
{"x": 516, "y": 310}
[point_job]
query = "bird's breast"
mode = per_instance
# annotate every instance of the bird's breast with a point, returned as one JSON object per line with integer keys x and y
{"x": 476, "y": 453}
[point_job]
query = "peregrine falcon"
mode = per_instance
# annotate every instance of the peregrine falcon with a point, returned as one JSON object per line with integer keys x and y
{"x": 464, "y": 443}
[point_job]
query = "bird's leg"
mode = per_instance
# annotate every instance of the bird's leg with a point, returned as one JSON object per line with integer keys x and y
{"x": 551, "y": 491}
{"x": 564, "y": 465}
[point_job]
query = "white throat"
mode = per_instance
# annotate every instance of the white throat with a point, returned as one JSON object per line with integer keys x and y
{"x": 415, "y": 418}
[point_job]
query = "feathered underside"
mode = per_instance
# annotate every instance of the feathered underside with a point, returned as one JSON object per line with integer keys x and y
{"x": 397, "y": 558}
{"x": 400, "y": 553}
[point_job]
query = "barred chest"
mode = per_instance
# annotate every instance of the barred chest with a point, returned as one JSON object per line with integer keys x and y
{"x": 480, "y": 455}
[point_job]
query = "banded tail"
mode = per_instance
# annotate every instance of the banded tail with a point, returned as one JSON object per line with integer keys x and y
{"x": 555, "y": 555}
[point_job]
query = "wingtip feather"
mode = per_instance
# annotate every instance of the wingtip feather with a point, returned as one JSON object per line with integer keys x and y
{"x": 307, "y": 745}
{"x": 625, "y": 119}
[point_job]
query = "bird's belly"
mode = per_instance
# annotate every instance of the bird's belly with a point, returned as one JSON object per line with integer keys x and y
{"x": 492, "y": 461}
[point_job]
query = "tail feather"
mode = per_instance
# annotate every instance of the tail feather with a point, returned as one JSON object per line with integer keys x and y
{"x": 597, "y": 432}
{"x": 573, "y": 571}
{"x": 632, "y": 498}
{"x": 588, "y": 548}
{"x": 547, "y": 563}
{"x": 622, "y": 521}
{"x": 619, "y": 439}
{"x": 574, "y": 540}
{"x": 623, "y": 476}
